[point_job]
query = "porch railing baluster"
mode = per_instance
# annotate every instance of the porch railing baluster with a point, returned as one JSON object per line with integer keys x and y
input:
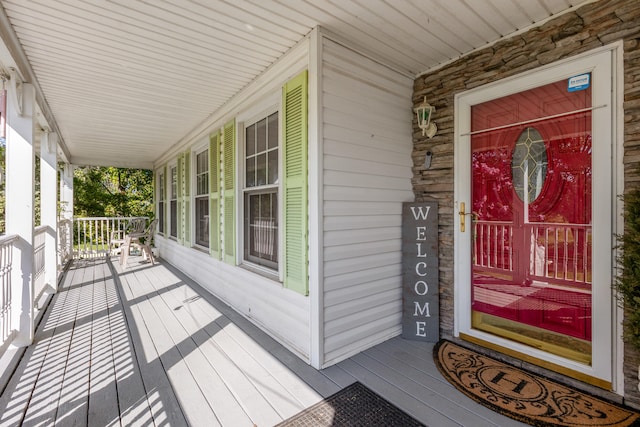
{"x": 7, "y": 332}
{"x": 39, "y": 241}
{"x": 65, "y": 241}
{"x": 92, "y": 235}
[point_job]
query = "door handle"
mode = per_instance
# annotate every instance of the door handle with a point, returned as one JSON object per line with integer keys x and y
{"x": 463, "y": 214}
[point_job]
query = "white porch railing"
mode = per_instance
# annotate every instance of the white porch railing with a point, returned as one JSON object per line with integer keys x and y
{"x": 83, "y": 237}
{"x": 39, "y": 240}
{"x": 92, "y": 235}
{"x": 65, "y": 241}
{"x": 7, "y": 332}
{"x": 559, "y": 253}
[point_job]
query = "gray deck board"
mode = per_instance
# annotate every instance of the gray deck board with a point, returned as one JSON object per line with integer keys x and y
{"x": 234, "y": 377}
{"x": 411, "y": 382}
{"x": 103, "y": 402}
{"x": 191, "y": 402}
{"x": 147, "y": 346}
{"x": 254, "y": 339}
{"x": 160, "y": 395}
{"x": 339, "y": 376}
{"x": 418, "y": 369}
{"x": 132, "y": 400}
{"x": 282, "y": 389}
{"x": 397, "y": 396}
{"x": 15, "y": 401}
{"x": 74, "y": 395}
{"x": 202, "y": 373}
{"x": 46, "y": 357}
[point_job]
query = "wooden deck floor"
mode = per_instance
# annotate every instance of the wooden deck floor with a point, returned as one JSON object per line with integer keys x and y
{"x": 147, "y": 346}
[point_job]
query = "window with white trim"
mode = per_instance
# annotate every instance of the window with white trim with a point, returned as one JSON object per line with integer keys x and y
{"x": 261, "y": 192}
{"x": 173, "y": 201}
{"x": 201, "y": 197}
{"x": 272, "y": 213}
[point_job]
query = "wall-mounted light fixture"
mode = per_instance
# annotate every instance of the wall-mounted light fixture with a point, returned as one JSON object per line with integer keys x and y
{"x": 424, "y": 111}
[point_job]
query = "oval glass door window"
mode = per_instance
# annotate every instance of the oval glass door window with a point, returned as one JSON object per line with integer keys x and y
{"x": 529, "y": 165}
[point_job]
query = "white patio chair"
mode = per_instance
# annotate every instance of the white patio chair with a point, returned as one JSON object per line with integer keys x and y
{"x": 141, "y": 241}
{"x": 116, "y": 240}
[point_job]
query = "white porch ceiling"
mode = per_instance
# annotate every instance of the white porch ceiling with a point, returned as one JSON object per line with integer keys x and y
{"x": 127, "y": 79}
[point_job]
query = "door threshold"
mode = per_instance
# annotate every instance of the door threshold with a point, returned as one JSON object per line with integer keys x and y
{"x": 580, "y": 376}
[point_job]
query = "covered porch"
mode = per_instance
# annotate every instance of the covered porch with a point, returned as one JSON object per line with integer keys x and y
{"x": 148, "y": 346}
{"x": 220, "y": 330}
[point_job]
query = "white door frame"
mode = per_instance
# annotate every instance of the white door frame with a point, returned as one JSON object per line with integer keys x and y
{"x": 601, "y": 63}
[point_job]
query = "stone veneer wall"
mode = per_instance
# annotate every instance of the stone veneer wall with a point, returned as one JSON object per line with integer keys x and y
{"x": 590, "y": 26}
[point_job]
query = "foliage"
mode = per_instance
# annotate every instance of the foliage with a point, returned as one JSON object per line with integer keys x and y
{"x": 98, "y": 191}
{"x": 628, "y": 282}
{"x": 110, "y": 191}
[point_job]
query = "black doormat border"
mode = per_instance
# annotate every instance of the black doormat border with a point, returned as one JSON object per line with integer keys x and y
{"x": 525, "y": 396}
{"x": 353, "y": 406}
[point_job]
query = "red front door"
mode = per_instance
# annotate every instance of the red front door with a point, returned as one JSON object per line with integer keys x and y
{"x": 531, "y": 194}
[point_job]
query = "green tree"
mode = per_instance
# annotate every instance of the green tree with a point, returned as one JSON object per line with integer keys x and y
{"x": 111, "y": 191}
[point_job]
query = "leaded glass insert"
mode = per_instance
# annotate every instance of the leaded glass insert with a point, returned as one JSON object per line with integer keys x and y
{"x": 529, "y": 165}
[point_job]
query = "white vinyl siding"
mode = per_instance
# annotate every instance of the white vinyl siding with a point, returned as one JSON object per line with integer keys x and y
{"x": 284, "y": 314}
{"x": 367, "y": 175}
{"x": 281, "y": 312}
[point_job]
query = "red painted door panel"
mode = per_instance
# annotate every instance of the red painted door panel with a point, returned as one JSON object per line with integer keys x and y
{"x": 531, "y": 196}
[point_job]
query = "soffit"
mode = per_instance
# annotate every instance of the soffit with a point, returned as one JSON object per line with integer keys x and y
{"x": 126, "y": 79}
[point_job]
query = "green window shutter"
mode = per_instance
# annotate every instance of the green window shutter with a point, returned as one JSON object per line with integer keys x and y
{"x": 295, "y": 133}
{"x": 214, "y": 195}
{"x": 180, "y": 188}
{"x": 165, "y": 226}
{"x": 229, "y": 147}
{"x": 186, "y": 203}
{"x": 154, "y": 185}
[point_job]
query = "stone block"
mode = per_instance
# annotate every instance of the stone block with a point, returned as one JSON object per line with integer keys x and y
{"x": 627, "y": 30}
{"x": 629, "y": 11}
{"x": 571, "y": 27}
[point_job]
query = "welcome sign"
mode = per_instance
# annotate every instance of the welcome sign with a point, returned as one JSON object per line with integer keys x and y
{"x": 420, "y": 297}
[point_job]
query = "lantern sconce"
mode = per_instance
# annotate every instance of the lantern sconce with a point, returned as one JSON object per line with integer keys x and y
{"x": 424, "y": 111}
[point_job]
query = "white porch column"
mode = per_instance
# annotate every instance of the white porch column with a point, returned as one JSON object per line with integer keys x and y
{"x": 20, "y": 205}
{"x": 65, "y": 242}
{"x": 48, "y": 204}
{"x": 66, "y": 192}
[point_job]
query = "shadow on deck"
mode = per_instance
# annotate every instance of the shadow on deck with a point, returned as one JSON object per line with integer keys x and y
{"x": 148, "y": 346}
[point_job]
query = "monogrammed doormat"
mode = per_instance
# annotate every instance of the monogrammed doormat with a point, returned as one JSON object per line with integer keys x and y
{"x": 525, "y": 396}
{"x": 353, "y": 406}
